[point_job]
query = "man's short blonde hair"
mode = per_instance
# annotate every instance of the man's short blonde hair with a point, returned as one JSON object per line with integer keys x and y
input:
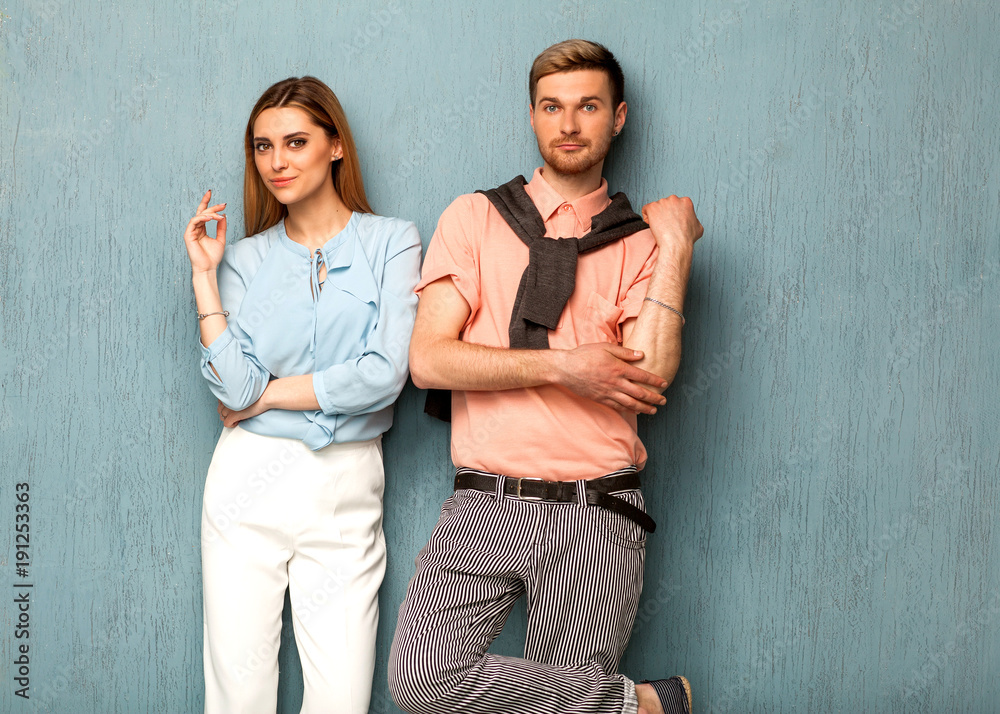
{"x": 572, "y": 55}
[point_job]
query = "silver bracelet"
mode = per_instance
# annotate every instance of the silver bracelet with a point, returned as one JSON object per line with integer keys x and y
{"x": 202, "y": 316}
{"x": 676, "y": 312}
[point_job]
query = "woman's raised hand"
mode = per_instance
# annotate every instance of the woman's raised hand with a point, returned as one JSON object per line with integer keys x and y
{"x": 205, "y": 251}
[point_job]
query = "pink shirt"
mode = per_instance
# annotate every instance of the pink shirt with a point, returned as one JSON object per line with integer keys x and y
{"x": 544, "y": 432}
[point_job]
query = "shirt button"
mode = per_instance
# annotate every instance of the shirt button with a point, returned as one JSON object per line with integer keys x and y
{"x": 567, "y": 208}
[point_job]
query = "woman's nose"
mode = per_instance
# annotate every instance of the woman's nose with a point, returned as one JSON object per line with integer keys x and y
{"x": 277, "y": 159}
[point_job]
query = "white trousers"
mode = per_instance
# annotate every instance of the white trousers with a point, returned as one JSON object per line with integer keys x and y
{"x": 278, "y": 515}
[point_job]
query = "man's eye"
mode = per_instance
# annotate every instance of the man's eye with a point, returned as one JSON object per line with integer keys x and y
{"x": 551, "y": 108}
{"x": 589, "y": 108}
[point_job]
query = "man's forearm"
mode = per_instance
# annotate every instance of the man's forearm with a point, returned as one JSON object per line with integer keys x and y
{"x": 439, "y": 359}
{"x": 657, "y": 330}
{"x": 438, "y": 362}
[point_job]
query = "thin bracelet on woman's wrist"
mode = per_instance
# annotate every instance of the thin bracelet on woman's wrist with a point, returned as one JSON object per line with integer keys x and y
{"x": 203, "y": 315}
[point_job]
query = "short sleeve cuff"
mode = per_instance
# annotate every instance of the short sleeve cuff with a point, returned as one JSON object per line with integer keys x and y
{"x": 630, "y": 309}
{"x": 467, "y": 287}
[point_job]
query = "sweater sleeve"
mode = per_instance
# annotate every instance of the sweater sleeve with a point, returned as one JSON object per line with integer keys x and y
{"x": 374, "y": 380}
{"x": 234, "y": 375}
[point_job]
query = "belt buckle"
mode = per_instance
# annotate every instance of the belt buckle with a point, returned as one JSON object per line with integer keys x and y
{"x": 527, "y": 498}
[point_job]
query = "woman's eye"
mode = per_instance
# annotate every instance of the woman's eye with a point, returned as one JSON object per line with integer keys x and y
{"x": 262, "y": 146}
{"x": 297, "y": 143}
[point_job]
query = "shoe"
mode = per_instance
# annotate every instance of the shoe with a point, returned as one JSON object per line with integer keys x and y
{"x": 674, "y": 694}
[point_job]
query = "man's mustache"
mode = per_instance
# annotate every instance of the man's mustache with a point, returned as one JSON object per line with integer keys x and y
{"x": 568, "y": 140}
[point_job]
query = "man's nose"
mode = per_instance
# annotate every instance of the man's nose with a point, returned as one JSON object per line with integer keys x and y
{"x": 569, "y": 124}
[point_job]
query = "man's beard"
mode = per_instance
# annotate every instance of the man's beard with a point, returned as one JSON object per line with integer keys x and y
{"x": 580, "y": 161}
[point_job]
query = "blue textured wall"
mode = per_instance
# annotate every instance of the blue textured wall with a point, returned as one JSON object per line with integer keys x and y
{"x": 826, "y": 472}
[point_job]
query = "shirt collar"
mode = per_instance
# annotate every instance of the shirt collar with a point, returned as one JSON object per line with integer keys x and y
{"x": 547, "y": 200}
{"x": 338, "y": 252}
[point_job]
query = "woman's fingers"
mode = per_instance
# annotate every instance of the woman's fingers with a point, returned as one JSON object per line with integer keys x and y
{"x": 202, "y": 218}
{"x": 204, "y": 208}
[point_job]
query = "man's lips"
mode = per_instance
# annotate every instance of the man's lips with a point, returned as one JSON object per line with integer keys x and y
{"x": 568, "y": 145}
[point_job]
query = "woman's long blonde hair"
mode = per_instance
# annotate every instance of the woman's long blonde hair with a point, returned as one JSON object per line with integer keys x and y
{"x": 261, "y": 209}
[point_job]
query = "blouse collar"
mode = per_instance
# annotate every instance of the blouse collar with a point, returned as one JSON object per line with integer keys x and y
{"x": 338, "y": 252}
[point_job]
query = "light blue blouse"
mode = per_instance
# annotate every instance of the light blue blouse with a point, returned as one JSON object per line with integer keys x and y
{"x": 353, "y": 335}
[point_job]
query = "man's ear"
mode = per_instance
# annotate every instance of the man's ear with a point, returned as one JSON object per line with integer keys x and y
{"x": 620, "y": 113}
{"x": 531, "y": 116}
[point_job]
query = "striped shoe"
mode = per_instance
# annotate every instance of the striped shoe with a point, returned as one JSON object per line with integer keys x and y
{"x": 674, "y": 694}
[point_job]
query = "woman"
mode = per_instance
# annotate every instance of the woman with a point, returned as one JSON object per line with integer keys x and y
{"x": 305, "y": 326}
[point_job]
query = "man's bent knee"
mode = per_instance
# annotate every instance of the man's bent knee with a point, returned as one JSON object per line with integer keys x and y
{"x": 413, "y": 681}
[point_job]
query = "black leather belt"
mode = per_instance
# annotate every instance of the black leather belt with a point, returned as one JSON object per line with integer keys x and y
{"x": 598, "y": 492}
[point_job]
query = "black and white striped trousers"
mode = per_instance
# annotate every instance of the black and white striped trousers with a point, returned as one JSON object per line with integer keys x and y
{"x": 580, "y": 568}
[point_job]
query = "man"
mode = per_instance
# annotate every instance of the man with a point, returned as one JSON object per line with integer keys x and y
{"x": 551, "y": 348}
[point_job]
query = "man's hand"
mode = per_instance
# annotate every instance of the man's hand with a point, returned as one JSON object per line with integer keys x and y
{"x": 601, "y": 372}
{"x": 673, "y": 219}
